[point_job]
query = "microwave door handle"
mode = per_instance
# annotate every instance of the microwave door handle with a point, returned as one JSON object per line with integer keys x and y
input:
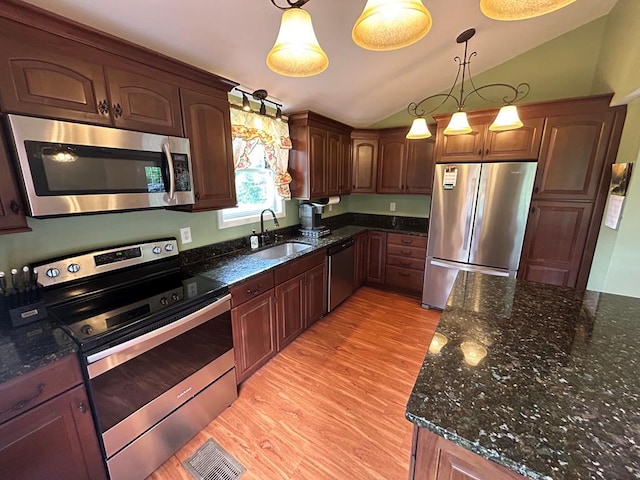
{"x": 172, "y": 178}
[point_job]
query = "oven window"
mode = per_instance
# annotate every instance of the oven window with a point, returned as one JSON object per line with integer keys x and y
{"x": 66, "y": 169}
{"x": 126, "y": 388}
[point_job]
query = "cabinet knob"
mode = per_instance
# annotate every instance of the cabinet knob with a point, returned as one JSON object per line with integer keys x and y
{"x": 82, "y": 407}
{"x": 480, "y": 152}
{"x": 486, "y": 152}
{"x": 533, "y": 209}
{"x": 197, "y": 196}
{"x": 536, "y": 189}
{"x": 15, "y": 208}
{"x": 117, "y": 110}
{"x": 103, "y": 107}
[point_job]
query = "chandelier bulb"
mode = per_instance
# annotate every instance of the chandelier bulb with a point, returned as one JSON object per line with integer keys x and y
{"x": 508, "y": 10}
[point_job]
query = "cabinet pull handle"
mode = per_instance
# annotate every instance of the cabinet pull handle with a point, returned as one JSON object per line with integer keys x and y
{"x": 405, "y": 252}
{"x": 480, "y": 152}
{"x": 486, "y": 152}
{"x": 103, "y": 107}
{"x": 26, "y": 401}
{"x": 15, "y": 208}
{"x": 256, "y": 291}
{"x": 403, "y": 274}
{"x": 117, "y": 110}
{"x": 404, "y": 264}
{"x": 82, "y": 407}
{"x": 404, "y": 241}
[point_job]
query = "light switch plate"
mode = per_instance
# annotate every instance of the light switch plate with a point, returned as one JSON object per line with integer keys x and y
{"x": 392, "y": 206}
{"x": 185, "y": 235}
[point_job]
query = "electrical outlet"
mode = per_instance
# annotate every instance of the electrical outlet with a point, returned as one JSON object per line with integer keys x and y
{"x": 330, "y": 208}
{"x": 392, "y": 207}
{"x": 185, "y": 235}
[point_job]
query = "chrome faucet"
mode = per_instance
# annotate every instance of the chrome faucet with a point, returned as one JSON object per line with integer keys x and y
{"x": 264, "y": 234}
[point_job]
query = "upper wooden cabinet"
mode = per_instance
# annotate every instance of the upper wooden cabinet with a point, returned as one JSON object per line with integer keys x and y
{"x": 365, "y": 161}
{"x": 208, "y": 126}
{"x": 573, "y": 153}
{"x": 143, "y": 103}
{"x": 320, "y": 162}
{"x": 38, "y": 79}
{"x": 484, "y": 145}
{"x": 405, "y": 166}
{"x": 12, "y": 211}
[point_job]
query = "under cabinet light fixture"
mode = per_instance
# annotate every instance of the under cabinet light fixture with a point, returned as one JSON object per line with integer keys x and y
{"x": 507, "y": 118}
{"x": 260, "y": 95}
{"x": 508, "y": 10}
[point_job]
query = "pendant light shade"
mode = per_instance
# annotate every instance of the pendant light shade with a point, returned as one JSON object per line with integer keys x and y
{"x": 520, "y": 9}
{"x": 458, "y": 125}
{"x": 507, "y": 119}
{"x": 296, "y": 52}
{"x": 391, "y": 24}
{"x": 419, "y": 129}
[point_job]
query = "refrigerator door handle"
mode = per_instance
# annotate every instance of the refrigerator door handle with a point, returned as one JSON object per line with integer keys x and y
{"x": 470, "y": 268}
{"x": 467, "y": 231}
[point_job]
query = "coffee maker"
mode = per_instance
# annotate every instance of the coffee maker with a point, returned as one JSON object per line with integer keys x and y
{"x": 310, "y": 219}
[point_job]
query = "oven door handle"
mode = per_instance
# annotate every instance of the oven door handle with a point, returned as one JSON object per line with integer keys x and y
{"x": 172, "y": 175}
{"x": 105, "y": 360}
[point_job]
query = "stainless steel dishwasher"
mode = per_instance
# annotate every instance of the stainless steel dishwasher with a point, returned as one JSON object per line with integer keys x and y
{"x": 340, "y": 273}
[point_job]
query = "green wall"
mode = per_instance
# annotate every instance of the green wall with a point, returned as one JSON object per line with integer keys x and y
{"x": 406, "y": 205}
{"x": 616, "y": 265}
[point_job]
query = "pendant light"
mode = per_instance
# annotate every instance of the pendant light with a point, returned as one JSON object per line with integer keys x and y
{"x": 419, "y": 129}
{"x": 296, "y": 52}
{"x": 519, "y": 9}
{"x": 507, "y": 118}
{"x": 391, "y": 24}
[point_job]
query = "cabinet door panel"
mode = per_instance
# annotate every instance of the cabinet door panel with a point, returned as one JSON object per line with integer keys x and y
{"x": 457, "y": 148}
{"x": 391, "y": 165}
{"x": 54, "y": 440}
{"x": 572, "y": 156}
{"x": 318, "y": 162}
{"x": 291, "y": 310}
{"x": 361, "y": 259}
{"x": 376, "y": 257}
{"x": 36, "y": 80}
{"x": 554, "y": 242}
{"x": 333, "y": 163}
{"x": 208, "y": 127}
{"x": 12, "y": 212}
{"x": 316, "y": 290}
{"x": 420, "y": 165}
{"x": 365, "y": 165}
{"x": 254, "y": 332}
{"x": 344, "y": 183}
{"x": 520, "y": 144}
{"x": 143, "y": 103}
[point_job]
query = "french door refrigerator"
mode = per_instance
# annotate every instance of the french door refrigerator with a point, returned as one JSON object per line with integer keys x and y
{"x": 478, "y": 217}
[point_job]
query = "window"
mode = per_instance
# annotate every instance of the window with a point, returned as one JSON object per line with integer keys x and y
{"x": 255, "y": 185}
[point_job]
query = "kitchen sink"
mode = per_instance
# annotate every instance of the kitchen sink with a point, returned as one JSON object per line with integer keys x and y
{"x": 282, "y": 250}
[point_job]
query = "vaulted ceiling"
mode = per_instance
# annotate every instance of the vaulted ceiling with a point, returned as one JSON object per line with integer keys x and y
{"x": 232, "y": 37}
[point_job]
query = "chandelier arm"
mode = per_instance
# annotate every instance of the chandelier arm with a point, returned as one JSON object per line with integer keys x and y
{"x": 412, "y": 109}
{"x": 292, "y": 4}
{"x": 508, "y": 99}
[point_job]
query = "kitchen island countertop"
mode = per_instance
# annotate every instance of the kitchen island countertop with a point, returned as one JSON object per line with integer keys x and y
{"x": 556, "y": 394}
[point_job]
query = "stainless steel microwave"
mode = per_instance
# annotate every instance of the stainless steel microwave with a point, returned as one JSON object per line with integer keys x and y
{"x": 71, "y": 168}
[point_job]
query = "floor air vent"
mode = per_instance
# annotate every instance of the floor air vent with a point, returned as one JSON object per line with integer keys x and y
{"x": 212, "y": 462}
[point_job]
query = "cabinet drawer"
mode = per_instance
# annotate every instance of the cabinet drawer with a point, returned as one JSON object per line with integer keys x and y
{"x": 404, "y": 278}
{"x": 22, "y": 393}
{"x": 299, "y": 266}
{"x": 409, "y": 252}
{"x": 406, "y": 240}
{"x": 251, "y": 288}
{"x": 404, "y": 262}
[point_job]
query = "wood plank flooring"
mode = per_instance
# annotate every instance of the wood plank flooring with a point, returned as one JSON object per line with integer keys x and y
{"x": 330, "y": 405}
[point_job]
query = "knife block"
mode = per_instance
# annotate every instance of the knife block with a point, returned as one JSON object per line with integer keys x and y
{"x": 18, "y": 308}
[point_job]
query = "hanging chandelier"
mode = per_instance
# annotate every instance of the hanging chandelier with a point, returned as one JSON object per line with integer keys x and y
{"x": 520, "y": 10}
{"x": 382, "y": 25}
{"x": 507, "y": 118}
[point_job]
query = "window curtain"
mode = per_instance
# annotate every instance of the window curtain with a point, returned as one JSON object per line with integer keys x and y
{"x": 248, "y": 129}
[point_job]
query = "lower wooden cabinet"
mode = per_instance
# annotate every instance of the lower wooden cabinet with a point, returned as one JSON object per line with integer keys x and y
{"x": 254, "y": 333}
{"x": 290, "y": 309}
{"x": 405, "y": 259}
{"x": 376, "y": 253}
{"x": 555, "y": 242}
{"x": 316, "y": 293}
{"x": 434, "y": 458}
{"x": 55, "y": 437}
{"x": 360, "y": 257}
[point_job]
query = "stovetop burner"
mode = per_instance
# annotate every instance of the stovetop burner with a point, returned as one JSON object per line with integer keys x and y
{"x": 138, "y": 293}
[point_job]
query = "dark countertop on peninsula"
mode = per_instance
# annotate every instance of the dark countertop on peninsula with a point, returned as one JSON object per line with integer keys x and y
{"x": 557, "y": 395}
{"x": 28, "y": 348}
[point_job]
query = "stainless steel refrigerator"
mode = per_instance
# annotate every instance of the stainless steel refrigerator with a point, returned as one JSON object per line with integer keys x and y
{"x": 478, "y": 217}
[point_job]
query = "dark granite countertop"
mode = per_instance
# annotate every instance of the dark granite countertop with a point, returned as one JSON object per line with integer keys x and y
{"x": 28, "y": 348}
{"x": 557, "y": 395}
{"x": 232, "y": 268}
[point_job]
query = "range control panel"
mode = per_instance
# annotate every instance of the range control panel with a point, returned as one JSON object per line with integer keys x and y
{"x": 100, "y": 261}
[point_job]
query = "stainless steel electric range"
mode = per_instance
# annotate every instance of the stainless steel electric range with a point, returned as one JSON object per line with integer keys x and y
{"x": 155, "y": 343}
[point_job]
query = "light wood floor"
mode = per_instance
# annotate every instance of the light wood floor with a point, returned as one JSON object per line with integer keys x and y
{"x": 330, "y": 405}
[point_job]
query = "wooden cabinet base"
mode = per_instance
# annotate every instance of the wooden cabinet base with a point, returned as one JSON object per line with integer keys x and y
{"x": 434, "y": 458}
